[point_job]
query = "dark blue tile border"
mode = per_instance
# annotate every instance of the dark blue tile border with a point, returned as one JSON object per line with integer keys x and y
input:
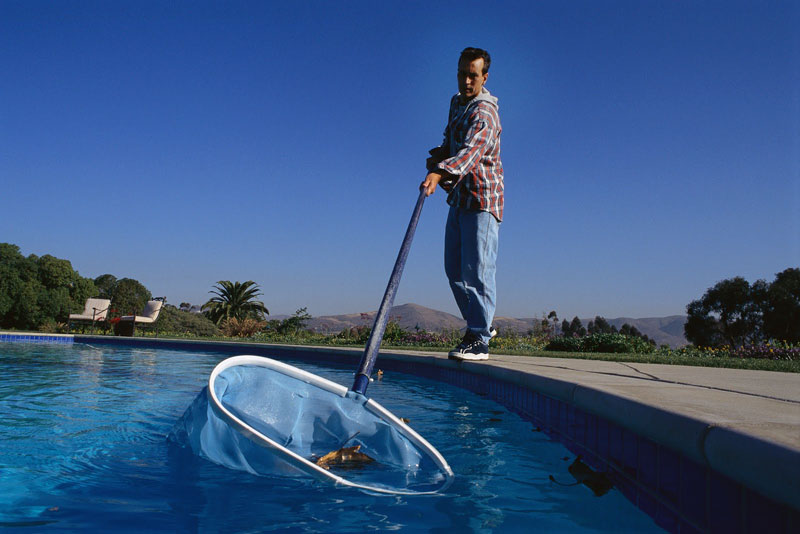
{"x": 9, "y": 337}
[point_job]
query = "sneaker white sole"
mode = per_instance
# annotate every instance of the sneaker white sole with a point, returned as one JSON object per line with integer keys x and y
{"x": 470, "y": 357}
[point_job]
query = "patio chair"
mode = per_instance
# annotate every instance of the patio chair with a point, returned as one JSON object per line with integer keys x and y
{"x": 148, "y": 317}
{"x": 94, "y": 311}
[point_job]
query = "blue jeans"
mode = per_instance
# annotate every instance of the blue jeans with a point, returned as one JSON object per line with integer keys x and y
{"x": 470, "y": 254}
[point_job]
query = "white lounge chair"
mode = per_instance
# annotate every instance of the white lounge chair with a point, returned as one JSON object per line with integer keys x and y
{"x": 94, "y": 311}
{"x": 148, "y": 317}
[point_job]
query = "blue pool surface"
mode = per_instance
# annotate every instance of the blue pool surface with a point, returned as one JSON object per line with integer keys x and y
{"x": 83, "y": 433}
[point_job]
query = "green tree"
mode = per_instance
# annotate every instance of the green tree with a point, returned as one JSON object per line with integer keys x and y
{"x": 701, "y": 328}
{"x": 105, "y": 285}
{"x": 34, "y": 290}
{"x": 234, "y": 299}
{"x": 574, "y": 328}
{"x": 553, "y": 316}
{"x": 295, "y": 323}
{"x": 631, "y": 331}
{"x": 129, "y": 297}
{"x": 54, "y": 272}
{"x": 81, "y": 289}
{"x": 782, "y": 307}
{"x": 11, "y": 281}
{"x": 727, "y": 313}
{"x": 53, "y": 297}
{"x": 565, "y": 330}
{"x": 600, "y": 326}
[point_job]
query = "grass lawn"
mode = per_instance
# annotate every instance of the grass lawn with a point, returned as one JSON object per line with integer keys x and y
{"x": 672, "y": 359}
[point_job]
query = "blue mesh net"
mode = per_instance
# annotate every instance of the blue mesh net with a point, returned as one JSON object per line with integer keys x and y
{"x": 265, "y": 421}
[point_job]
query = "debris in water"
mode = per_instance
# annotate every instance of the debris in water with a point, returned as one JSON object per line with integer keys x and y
{"x": 598, "y": 482}
{"x": 345, "y": 458}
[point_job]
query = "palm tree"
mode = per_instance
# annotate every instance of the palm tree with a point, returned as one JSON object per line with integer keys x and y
{"x": 234, "y": 299}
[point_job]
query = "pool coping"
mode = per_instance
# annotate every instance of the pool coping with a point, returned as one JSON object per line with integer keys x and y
{"x": 743, "y": 424}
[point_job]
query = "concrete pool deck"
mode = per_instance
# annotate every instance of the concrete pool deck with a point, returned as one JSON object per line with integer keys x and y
{"x": 744, "y": 424}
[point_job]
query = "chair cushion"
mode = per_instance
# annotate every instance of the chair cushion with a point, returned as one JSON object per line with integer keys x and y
{"x": 101, "y": 305}
{"x": 152, "y": 308}
{"x": 139, "y": 319}
{"x": 149, "y": 314}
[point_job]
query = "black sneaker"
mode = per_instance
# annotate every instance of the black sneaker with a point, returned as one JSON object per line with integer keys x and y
{"x": 471, "y": 348}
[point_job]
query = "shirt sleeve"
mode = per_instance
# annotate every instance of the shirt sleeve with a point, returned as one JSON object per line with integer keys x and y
{"x": 442, "y": 151}
{"x": 445, "y": 146}
{"x": 481, "y": 131}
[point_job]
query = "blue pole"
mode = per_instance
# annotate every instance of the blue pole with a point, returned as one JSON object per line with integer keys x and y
{"x": 381, "y": 318}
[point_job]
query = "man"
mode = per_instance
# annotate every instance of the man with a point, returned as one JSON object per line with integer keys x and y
{"x": 467, "y": 166}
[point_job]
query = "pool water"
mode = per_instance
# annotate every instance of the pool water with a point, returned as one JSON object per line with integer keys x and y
{"x": 83, "y": 447}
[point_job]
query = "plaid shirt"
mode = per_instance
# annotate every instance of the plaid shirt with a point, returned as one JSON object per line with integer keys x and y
{"x": 472, "y": 140}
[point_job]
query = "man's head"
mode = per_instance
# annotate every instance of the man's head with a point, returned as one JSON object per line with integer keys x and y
{"x": 473, "y": 71}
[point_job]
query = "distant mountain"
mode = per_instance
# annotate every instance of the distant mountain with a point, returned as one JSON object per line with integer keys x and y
{"x": 663, "y": 330}
{"x": 408, "y": 316}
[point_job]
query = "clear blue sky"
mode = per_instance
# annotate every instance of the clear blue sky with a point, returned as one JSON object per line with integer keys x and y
{"x": 651, "y": 148}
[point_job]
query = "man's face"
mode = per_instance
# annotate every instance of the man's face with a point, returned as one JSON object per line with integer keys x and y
{"x": 471, "y": 78}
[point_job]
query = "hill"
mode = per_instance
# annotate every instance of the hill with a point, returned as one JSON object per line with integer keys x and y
{"x": 408, "y": 316}
{"x": 664, "y": 330}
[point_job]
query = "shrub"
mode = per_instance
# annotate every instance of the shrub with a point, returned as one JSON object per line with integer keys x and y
{"x": 180, "y": 322}
{"x": 395, "y": 335}
{"x": 616, "y": 343}
{"x": 613, "y": 343}
{"x": 769, "y": 351}
{"x": 233, "y": 327}
{"x": 357, "y": 335}
{"x": 53, "y": 327}
{"x": 772, "y": 350}
{"x": 565, "y": 344}
{"x": 294, "y": 324}
{"x": 423, "y": 338}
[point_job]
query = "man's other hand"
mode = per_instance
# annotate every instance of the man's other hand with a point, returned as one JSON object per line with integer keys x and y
{"x": 430, "y": 183}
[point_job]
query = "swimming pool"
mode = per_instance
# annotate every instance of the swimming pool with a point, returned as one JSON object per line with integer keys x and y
{"x": 84, "y": 446}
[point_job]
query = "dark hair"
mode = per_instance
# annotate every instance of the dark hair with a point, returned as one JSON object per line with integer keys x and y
{"x": 471, "y": 54}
